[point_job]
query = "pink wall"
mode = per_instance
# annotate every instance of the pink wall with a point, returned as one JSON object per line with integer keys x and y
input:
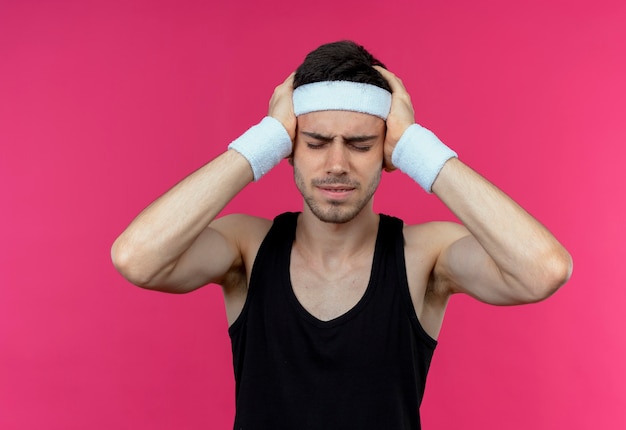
{"x": 105, "y": 104}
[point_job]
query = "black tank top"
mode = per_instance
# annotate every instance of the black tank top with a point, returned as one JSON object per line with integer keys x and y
{"x": 365, "y": 369}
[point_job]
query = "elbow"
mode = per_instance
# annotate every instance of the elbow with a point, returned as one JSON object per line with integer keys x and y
{"x": 553, "y": 272}
{"x": 129, "y": 265}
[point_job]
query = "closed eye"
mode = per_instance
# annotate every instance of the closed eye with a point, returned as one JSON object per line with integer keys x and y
{"x": 357, "y": 143}
{"x": 360, "y": 148}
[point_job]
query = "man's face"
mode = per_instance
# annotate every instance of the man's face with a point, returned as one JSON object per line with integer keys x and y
{"x": 337, "y": 162}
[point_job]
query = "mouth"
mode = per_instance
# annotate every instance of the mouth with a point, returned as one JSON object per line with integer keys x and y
{"x": 336, "y": 192}
{"x": 336, "y": 189}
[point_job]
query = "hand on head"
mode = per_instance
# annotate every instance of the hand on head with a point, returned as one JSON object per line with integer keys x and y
{"x": 281, "y": 106}
{"x": 401, "y": 115}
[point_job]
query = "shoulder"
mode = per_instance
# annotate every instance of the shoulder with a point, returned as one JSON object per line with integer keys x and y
{"x": 424, "y": 245}
{"x": 243, "y": 234}
{"x": 233, "y": 223}
{"x": 242, "y": 231}
{"x": 432, "y": 237}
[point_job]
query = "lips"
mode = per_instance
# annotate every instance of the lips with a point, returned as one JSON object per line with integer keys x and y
{"x": 335, "y": 192}
{"x": 337, "y": 189}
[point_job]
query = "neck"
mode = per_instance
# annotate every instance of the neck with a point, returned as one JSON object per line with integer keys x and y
{"x": 329, "y": 242}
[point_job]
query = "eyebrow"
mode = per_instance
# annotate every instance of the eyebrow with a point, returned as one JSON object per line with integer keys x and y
{"x": 349, "y": 139}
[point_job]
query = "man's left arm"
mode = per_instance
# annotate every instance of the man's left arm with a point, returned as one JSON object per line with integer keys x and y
{"x": 508, "y": 257}
{"x": 502, "y": 255}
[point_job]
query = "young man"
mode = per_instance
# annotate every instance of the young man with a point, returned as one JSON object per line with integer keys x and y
{"x": 334, "y": 311}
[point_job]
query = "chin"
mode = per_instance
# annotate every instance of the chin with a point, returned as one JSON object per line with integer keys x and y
{"x": 335, "y": 214}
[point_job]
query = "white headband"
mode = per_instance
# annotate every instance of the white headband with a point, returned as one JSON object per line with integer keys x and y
{"x": 342, "y": 95}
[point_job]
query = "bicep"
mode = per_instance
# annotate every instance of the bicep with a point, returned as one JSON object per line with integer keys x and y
{"x": 463, "y": 266}
{"x": 212, "y": 256}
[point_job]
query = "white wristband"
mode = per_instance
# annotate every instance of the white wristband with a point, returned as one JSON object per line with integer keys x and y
{"x": 263, "y": 145}
{"x": 421, "y": 155}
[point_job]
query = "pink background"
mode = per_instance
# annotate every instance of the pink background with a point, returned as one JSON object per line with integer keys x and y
{"x": 106, "y": 104}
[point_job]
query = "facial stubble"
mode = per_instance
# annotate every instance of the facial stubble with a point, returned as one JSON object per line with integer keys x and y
{"x": 333, "y": 211}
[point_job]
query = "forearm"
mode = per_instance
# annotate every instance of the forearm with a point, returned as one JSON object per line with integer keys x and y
{"x": 527, "y": 255}
{"x": 163, "y": 231}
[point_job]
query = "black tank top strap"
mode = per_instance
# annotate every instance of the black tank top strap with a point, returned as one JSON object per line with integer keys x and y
{"x": 274, "y": 249}
{"x": 395, "y": 228}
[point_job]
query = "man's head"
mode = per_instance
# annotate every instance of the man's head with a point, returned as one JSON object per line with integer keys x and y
{"x": 341, "y": 103}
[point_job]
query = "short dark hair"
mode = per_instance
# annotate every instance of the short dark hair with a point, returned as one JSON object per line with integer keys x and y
{"x": 340, "y": 61}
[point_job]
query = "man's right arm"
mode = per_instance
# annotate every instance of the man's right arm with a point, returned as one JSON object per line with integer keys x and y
{"x": 169, "y": 246}
{"x": 174, "y": 244}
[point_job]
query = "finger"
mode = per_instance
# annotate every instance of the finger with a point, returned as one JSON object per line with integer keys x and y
{"x": 288, "y": 83}
{"x": 394, "y": 82}
{"x": 283, "y": 89}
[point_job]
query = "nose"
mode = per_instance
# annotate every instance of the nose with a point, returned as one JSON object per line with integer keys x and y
{"x": 337, "y": 162}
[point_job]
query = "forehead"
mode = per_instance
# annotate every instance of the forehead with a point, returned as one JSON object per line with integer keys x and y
{"x": 336, "y": 122}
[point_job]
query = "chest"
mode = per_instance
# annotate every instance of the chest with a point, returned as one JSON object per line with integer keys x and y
{"x": 329, "y": 291}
